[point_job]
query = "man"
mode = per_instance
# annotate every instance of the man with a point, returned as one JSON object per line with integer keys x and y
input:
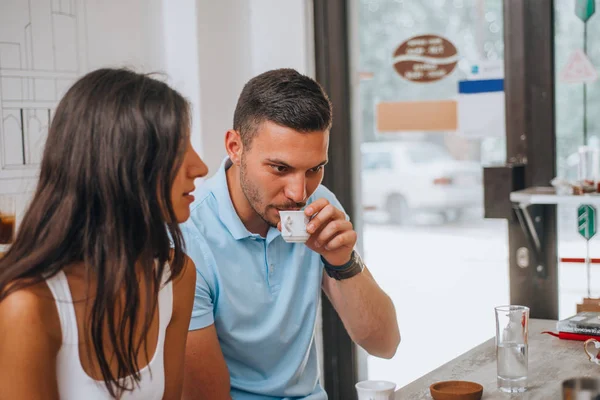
{"x": 252, "y": 329}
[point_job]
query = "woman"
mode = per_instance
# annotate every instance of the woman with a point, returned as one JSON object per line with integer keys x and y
{"x": 96, "y": 292}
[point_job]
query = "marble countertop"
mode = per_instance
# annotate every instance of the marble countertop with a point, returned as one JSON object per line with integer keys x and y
{"x": 551, "y": 360}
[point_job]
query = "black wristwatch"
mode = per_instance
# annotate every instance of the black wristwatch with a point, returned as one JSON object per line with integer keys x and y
{"x": 348, "y": 270}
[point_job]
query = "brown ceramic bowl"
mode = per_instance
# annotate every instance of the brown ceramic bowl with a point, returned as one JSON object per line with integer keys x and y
{"x": 456, "y": 390}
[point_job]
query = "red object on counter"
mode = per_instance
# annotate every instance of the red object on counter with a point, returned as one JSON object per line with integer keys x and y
{"x": 572, "y": 336}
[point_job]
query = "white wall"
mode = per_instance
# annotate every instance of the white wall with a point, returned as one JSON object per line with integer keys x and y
{"x": 239, "y": 39}
{"x": 282, "y": 35}
{"x": 225, "y": 65}
{"x": 45, "y": 45}
{"x": 181, "y": 59}
{"x": 124, "y": 33}
{"x": 208, "y": 50}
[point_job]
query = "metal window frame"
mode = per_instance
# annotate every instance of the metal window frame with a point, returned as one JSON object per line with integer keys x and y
{"x": 531, "y": 144}
{"x": 332, "y": 67}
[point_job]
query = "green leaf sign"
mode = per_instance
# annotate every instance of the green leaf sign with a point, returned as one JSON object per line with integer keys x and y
{"x": 586, "y": 221}
{"x": 584, "y": 9}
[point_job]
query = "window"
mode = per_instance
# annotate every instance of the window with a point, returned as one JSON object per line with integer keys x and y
{"x": 376, "y": 161}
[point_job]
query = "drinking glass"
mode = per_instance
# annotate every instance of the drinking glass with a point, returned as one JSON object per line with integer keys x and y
{"x": 588, "y": 168}
{"x": 511, "y": 347}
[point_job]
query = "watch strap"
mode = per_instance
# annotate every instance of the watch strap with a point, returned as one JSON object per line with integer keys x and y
{"x": 340, "y": 272}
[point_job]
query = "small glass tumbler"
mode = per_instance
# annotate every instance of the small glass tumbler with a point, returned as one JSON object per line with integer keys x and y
{"x": 588, "y": 169}
{"x": 512, "y": 324}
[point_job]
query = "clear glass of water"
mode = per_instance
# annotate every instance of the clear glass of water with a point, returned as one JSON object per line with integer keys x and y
{"x": 588, "y": 170}
{"x": 512, "y": 325}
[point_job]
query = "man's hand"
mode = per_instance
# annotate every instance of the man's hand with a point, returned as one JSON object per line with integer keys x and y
{"x": 366, "y": 311}
{"x": 332, "y": 236}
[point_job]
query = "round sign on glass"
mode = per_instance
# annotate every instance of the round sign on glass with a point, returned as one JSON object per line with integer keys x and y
{"x": 425, "y": 58}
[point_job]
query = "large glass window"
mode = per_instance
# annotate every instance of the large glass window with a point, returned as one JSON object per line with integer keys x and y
{"x": 425, "y": 238}
{"x": 576, "y": 58}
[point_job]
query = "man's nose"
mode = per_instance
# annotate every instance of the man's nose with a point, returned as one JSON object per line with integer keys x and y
{"x": 296, "y": 189}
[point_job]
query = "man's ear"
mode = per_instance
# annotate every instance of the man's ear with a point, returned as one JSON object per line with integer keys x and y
{"x": 234, "y": 146}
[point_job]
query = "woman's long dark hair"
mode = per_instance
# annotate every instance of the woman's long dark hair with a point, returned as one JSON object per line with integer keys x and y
{"x": 103, "y": 200}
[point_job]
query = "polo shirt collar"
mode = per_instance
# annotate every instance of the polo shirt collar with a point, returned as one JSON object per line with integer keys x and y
{"x": 227, "y": 213}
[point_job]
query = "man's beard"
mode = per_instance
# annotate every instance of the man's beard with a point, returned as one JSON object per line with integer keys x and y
{"x": 254, "y": 198}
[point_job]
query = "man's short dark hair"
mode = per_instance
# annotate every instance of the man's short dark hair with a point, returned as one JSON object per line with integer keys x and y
{"x": 285, "y": 97}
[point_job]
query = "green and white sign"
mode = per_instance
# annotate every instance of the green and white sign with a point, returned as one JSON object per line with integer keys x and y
{"x": 584, "y": 9}
{"x": 586, "y": 221}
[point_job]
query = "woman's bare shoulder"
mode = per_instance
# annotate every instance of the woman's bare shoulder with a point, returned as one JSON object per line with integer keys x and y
{"x": 30, "y": 310}
{"x": 30, "y": 340}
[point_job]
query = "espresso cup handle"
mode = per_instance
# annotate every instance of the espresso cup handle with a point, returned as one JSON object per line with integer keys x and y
{"x": 593, "y": 357}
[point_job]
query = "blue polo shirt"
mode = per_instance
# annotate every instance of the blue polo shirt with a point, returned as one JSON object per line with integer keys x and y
{"x": 262, "y": 295}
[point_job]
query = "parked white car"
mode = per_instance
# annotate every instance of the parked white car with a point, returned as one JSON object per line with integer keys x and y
{"x": 403, "y": 178}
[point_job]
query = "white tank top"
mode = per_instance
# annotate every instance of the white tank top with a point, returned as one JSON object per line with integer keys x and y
{"x": 73, "y": 382}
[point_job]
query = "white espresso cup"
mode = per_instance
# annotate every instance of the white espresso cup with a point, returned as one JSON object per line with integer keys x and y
{"x": 375, "y": 390}
{"x": 293, "y": 226}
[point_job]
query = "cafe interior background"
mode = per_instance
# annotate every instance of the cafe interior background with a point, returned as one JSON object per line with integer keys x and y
{"x": 424, "y": 159}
